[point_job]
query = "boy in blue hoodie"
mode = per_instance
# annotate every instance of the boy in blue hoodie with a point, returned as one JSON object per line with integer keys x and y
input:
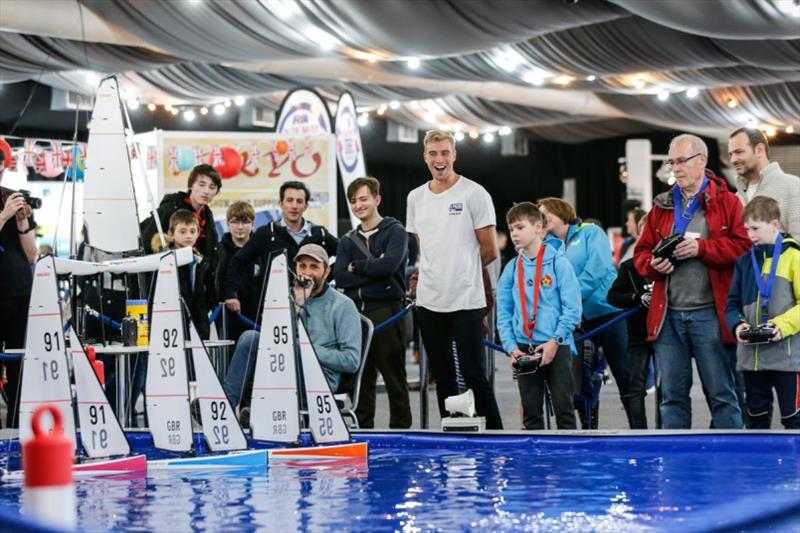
{"x": 538, "y": 307}
{"x": 765, "y": 292}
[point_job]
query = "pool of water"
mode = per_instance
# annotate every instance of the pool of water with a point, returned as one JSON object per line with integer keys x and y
{"x": 418, "y": 481}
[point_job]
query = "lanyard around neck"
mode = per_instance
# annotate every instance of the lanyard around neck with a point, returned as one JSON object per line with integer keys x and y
{"x": 765, "y": 289}
{"x": 530, "y": 324}
{"x": 682, "y": 219}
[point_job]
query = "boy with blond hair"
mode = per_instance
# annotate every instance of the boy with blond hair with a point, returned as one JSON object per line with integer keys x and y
{"x": 538, "y": 308}
{"x": 240, "y": 218}
{"x": 764, "y": 299}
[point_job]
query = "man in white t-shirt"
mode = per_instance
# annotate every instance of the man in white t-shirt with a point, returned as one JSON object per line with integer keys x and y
{"x": 453, "y": 219}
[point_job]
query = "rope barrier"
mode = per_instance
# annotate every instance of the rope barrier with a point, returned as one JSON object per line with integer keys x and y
{"x": 10, "y": 357}
{"x": 214, "y": 314}
{"x": 392, "y": 319}
{"x": 586, "y": 336}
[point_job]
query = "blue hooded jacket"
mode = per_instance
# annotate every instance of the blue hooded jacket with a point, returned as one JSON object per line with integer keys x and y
{"x": 559, "y": 309}
{"x": 588, "y": 250}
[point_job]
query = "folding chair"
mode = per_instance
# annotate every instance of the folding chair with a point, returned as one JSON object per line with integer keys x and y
{"x": 350, "y": 386}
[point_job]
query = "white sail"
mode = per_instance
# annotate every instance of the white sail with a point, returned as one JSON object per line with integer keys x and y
{"x": 167, "y": 386}
{"x": 220, "y": 426}
{"x": 45, "y": 375}
{"x": 324, "y": 418}
{"x": 274, "y": 412}
{"x": 129, "y": 265}
{"x": 101, "y": 434}
{"x": 109, "y": 205}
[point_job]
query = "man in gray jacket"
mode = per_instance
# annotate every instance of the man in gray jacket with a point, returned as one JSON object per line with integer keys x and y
{"x": 749, "y": 152}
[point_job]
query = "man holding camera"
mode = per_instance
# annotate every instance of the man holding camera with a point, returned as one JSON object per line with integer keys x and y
{"x": 17, "y": 252}
{"x": 688, "y": 247}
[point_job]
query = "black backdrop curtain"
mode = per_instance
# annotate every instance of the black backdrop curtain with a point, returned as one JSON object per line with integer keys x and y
{"x": 594, "y": 165}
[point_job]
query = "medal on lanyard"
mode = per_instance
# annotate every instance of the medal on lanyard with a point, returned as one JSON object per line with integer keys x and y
{"x": 530, "y": 324}
{"x": 765, "y": 289}
{"x": 682, "y": 219}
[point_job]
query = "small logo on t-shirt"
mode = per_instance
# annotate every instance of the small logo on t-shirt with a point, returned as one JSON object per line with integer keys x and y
{"x": 547, "y": 281}
{"x": 456, "y": 208}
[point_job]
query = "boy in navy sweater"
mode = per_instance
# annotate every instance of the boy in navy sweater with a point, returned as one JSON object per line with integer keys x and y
{"x": 538, "y": 308}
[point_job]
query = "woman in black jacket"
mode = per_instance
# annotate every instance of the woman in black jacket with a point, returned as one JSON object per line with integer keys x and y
{"x": 632, "y": 290}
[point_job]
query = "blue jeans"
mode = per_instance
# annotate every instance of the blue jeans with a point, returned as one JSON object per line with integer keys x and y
{"x": 687, "y": 334}
{"x": 241, "y": 367}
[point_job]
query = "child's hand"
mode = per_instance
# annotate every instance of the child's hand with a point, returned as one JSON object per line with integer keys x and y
{"x": 778, "y": 335}
{"x": 515, "y": 354}
{"x": 741, "y": 327}
{"x": 548, "y": 351}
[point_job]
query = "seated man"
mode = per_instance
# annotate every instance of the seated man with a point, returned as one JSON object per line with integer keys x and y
{"x": 331, "y": 320}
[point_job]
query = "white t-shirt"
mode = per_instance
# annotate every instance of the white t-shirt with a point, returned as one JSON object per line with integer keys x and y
{"x": 450, "y": 276}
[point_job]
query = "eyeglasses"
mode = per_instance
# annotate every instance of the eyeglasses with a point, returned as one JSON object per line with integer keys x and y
{"x": 672, "y": 163}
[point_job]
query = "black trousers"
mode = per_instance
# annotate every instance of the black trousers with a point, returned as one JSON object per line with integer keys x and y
{"x": 13, "y": 322}
{"x": 438, "y": 331}
{"x": 639, "y": 354}
{"x": 387, "y": 355}
{"x": 758, "y": 390}
{"x": 557, "y": 376}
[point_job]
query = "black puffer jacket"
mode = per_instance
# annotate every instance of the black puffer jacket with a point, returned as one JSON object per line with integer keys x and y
{"x": 207, "y": 242}
{"x": 376, "y": 281}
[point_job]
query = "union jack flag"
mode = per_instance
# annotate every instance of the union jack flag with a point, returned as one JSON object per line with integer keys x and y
{"x": 216, "y": 157}
{"x": 58, "y": 154}
{"x": 29, "y": 152}
{"x": 173, "y": 159}
{"x": 151, "y": 157}
{"x": 66, "y": 157}
{"x": 199, "y": 155}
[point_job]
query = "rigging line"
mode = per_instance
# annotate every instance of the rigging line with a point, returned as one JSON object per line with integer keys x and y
{"x": 33, "y": 91}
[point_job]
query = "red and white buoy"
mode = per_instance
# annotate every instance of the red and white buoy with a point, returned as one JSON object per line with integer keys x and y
{"x": 49, "y": 490}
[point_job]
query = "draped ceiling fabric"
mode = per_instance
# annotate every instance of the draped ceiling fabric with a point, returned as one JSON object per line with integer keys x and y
{"x": 564, "y": 70}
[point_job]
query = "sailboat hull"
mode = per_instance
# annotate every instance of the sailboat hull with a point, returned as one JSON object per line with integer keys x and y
{"x": 124, "y": 465}
{"x": 133, "y": 464}
{"x": 244, "y": 459}
{"x": 347, "y": 450}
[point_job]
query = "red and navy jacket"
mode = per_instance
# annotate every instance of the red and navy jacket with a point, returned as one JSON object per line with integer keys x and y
{"x": 727, "y": 241}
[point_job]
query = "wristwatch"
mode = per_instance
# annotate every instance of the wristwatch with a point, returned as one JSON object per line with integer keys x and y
{"x": 559, "y": 340}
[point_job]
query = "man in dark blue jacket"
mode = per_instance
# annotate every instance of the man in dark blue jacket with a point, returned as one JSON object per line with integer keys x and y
{"x": 289, "y": 233}
{"x": 370, "y": 267}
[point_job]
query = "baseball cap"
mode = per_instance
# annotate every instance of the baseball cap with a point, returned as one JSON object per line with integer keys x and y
{"x": 314, "y": 251}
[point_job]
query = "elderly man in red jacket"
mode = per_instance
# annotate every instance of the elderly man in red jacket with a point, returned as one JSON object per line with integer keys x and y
{"x": 687, "y": 313}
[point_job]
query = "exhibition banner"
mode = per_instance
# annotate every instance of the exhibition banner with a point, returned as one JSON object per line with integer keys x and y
{"x": 303, "y": 113}
{"x": 349, "y": 152}
{"x": 253, "y": 166}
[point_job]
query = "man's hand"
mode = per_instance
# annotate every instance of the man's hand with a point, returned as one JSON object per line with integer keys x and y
{"x": 688, "y": 247}
{"x": 15, "y": 207}
{"x": 300, "y": 295}
{"x": 548, "y": 351}
{"x": 740, "y": 328}
{"x": 515, "y": 354}
{"x": 662, "y": 265}
{"x": 234, "y": 305}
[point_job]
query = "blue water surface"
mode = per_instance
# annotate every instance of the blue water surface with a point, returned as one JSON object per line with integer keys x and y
{"x": 434, "y": 482}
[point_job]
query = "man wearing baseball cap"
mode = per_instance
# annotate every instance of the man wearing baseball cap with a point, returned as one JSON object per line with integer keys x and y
{"x": 331, "y": 320}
